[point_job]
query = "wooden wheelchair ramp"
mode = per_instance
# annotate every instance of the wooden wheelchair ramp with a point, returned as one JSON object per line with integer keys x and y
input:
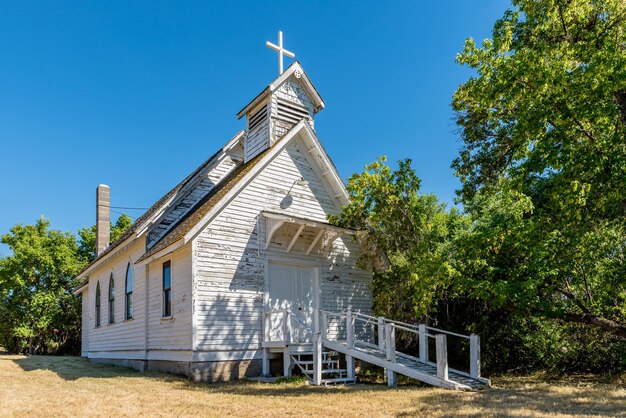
{"x": 373, "y": 340}
{"x": 408, "y": 366}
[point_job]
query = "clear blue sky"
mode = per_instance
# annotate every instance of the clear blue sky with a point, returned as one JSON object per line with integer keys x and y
{"x": 136, "y": 94}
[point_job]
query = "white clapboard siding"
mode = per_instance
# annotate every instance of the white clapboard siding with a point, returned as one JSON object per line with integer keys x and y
{"x": 173, "y": 333}
{"x": 123, "y": 334}
{"x": 230, "y": 257}
{"x": 85, "y": 326}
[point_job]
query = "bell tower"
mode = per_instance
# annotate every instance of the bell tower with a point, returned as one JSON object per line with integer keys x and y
{"x": 289, "y": 99}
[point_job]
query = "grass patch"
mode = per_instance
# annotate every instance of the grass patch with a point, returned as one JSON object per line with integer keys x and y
{"x": 71, "y": 386}
{"x": 291, "y": 379}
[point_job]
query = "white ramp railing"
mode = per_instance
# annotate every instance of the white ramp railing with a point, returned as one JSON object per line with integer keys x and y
{"x": 375, "y": 339}
{"x": 355, "y": 329}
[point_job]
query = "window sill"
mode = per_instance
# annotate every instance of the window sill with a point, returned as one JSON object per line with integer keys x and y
{"x": 167, "y": 319}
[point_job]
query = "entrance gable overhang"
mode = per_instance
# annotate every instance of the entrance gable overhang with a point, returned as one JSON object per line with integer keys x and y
{"x": 324, "y": 234}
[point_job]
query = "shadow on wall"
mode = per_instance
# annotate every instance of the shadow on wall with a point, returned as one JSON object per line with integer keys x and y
{"x": 227, "y": 323}
{"x": 230, "y": 286}
{"x": 229, "y": 290}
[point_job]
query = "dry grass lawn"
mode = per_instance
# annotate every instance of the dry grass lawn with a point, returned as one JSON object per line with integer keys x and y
{"x": 70, "y": 386}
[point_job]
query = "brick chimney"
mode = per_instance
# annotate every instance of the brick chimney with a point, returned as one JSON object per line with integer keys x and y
{"x": 103, "y": 218}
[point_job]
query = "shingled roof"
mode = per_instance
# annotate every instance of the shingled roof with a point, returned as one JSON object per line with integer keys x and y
{"x": 197, "y": 212}
{"x": 152, "y": 210}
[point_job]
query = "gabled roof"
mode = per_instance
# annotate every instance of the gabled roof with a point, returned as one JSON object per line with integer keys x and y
{"x": 217, "y": 199}
{"x": 193, "y": 216}
{"x": 316, "y": 99}
{"x": 194, "y": 220}
{"x": 156, "y": 207}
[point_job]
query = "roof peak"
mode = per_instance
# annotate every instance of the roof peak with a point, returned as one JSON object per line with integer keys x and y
{"x": 295, "y": 70}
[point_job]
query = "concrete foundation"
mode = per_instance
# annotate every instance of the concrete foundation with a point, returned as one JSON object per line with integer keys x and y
{"x": 225, "y": 370}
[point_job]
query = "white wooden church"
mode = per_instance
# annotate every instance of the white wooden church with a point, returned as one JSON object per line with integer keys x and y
{"x": 236, "y": 272}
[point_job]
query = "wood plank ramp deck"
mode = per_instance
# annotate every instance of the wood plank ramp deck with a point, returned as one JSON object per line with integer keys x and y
{"x": 408, "y": 366}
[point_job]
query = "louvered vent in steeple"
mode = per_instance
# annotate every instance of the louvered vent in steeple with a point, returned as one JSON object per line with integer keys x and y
{"x": 288, "y": 100}
{"x": 290, "y": 111}
{"x": 257, "y": 119}
{"x": 257, "y": 132}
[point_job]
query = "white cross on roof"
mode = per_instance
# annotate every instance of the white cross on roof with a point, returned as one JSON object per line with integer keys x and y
{"x": 281, "y": 51}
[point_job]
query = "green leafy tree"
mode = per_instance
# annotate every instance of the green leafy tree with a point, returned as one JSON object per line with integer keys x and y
{"x": 87, "y": 235}
{"x": 405, "y": 238}
{"x": 543, "y": 163}
{"x": 38, "y": 313}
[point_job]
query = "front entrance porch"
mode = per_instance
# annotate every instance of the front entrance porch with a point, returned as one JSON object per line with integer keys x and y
{"x": 371, "y": 340}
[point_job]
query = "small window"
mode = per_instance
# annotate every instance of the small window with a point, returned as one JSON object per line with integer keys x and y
{"x": 98, "y": 304}
{"x": 167, "y": 289}
{"x": 129, "y": 292}
{"x": 111, "y": 300}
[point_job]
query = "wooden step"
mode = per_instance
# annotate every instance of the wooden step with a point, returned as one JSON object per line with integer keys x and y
{"x": 333, "y": 371}
{"x": 341, "y": 372}
{"x": 305, "y": 362}
{"x": 307, "y": 353}
{"x": 345, "y": 380}
{"x": 307, "y": 370}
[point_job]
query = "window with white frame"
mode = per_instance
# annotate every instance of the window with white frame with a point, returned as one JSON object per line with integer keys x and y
{"x": 167, "y": 289}
{"x": 129, "y": 293}
{"x": 98, "y": 304}
{"x": 111, "y": 300}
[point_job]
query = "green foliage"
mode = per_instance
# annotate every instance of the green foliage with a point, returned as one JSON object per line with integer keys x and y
{"x": 517, "y": 344}
{"x": 87, "y": 243}
{"x": 38, "y": 313}
{"x": 540, "y": 255}
{"x": 406, "y": 238}
{"x": 543, "y": 164}
{"x": 549, "y": 98}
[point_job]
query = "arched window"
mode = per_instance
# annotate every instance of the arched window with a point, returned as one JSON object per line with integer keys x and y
{"x": 167, "y": 289}
{"x": 98, "y": 304}
{"x": 111, "y": 300}
{"x": 129, "y": 292}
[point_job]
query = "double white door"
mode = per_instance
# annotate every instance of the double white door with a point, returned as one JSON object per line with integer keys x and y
{"x": 292, "y": 287}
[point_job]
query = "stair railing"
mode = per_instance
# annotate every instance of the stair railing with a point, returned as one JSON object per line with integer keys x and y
{"x": 386, "y": 340}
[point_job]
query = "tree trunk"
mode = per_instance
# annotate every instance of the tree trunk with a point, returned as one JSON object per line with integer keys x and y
{"x": 605, "y": 324}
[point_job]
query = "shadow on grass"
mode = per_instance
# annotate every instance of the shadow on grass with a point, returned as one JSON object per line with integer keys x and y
{"x": 256, "y": 390}
{"x": 72, "y": 368}
{"x": 527, "y": 397}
